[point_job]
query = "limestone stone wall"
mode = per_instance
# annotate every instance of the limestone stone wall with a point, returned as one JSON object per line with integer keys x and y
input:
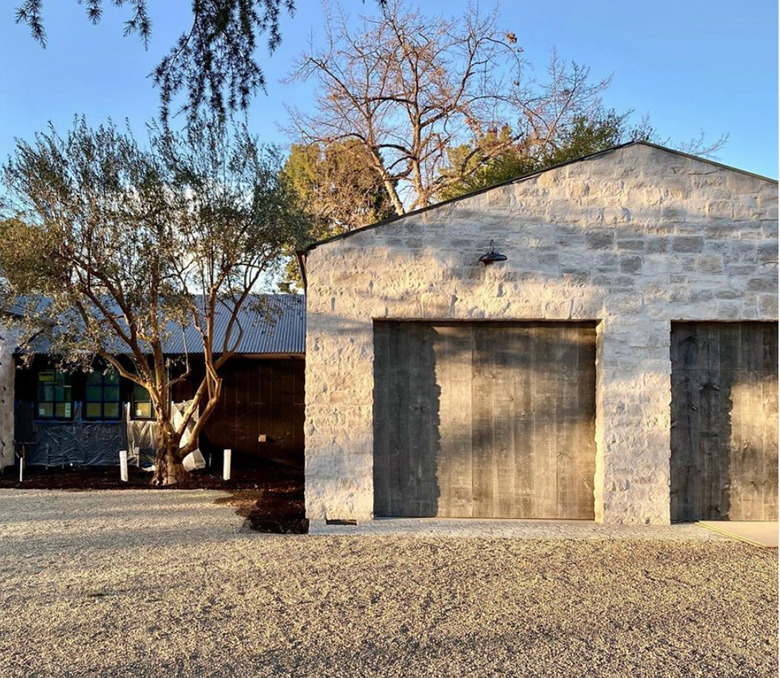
{"x": 634, "y": 238}
{"x": 7, "y": 377}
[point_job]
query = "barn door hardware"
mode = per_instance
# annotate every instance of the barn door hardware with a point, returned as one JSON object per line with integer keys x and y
{"x": 492, "y": 256}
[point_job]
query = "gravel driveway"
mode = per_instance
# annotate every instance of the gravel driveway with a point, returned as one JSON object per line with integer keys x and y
{"x": 163, "y": 583}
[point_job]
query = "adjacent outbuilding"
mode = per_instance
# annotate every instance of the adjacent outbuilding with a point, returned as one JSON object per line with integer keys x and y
{"x": 594, "y": 341}
{"x": 62, "y": 419}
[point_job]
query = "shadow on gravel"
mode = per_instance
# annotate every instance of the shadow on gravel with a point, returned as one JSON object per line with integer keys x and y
{"x": 268, "y": 496}
{"x": 276, "y": 506}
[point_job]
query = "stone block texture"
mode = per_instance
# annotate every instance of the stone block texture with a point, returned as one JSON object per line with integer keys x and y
{"x": 633, "y": 238}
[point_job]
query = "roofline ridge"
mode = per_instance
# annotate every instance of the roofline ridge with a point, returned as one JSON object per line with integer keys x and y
{"x": 634, "y": 142}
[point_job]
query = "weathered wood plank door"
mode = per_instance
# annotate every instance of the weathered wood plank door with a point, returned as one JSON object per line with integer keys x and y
{"x": 724, "y": 421}
{"x": 484, "y": 419}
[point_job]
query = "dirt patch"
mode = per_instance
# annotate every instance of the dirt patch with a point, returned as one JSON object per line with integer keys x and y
{"x": 83, "y": 478}
{"x": 275, "y": 505}
{"x": 280, "y": 508}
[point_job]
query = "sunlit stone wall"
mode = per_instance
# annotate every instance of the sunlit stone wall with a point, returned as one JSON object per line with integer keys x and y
{"x": 634, "y": 238}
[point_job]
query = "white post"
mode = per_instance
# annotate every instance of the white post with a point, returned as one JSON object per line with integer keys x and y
{"x": 226, "y": 465}
{"x": 21, "y": 468}
{"x": 123, "y": 465}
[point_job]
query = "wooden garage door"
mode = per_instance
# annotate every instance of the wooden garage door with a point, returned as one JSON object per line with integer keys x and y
{"x": 484, "y": 419}
{"x": 724, "y": 421}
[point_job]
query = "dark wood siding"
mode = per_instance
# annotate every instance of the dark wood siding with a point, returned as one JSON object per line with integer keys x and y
{"x": 484, "y": 419}
{"x": 724, "y": 421}
{"x": 259, "y": 397}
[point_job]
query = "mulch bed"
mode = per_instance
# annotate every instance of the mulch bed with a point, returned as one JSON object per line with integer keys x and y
{"x": 269, "y": 496}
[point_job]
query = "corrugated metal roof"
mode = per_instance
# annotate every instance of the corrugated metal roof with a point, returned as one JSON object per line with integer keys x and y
{"x": 271, "y": 324}
{"x": 16, "y": 309}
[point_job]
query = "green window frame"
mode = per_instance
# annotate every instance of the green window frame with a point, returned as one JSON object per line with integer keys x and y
{"x": 142, "y": 403}
{"x": 101, "y": 397}
{"x": 55, "y": 395}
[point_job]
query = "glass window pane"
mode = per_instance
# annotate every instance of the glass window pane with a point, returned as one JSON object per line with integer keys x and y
{"x": 94, "y": 410}
{"x": 94, "y": 378}
{"x": 62, "y": 410}
{"x": 111, "y": 410}
{"x": 142, "y": 410}
{"x": 111, "y": 394}
{"x": 141, "y": 395}
{"x": 46, "y": 392}
{"x": 45, "y": 410}
{"x": 94, "y": 394}
{"x": 46, "y": 377}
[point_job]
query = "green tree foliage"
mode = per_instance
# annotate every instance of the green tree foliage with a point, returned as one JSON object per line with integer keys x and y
{"x": 213, "y": 60}
{"x": 337, "y": 185}
{"x": 129, "y": 245}
{"x": 583, "y": 136}
{"x": 410, "y": 88}
{"x": 338, "y": 191}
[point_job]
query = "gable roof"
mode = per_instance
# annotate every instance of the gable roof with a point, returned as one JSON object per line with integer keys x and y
{"x": 524, "y": 177}
{"x": 279, "y": 329}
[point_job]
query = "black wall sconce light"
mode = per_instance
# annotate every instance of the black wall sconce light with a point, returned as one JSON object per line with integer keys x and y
{"x": 492, "y": 256}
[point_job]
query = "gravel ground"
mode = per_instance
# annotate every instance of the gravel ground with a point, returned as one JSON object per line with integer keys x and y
{"x": 152, "y": 583}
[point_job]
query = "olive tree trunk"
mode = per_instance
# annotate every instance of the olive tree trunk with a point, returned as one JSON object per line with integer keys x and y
{"x": 168, "y": 468}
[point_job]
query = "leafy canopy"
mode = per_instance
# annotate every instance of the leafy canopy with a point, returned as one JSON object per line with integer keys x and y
{"x": 582, "y": 136}
{"x": 114, "y": 246}
{"x": 337, "y": 185}
{"x": 213, "y": 60}
{"x": 339, "y": 190}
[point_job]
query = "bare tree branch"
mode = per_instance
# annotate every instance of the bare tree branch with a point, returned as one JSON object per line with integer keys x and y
{"x": 410, "y": 88}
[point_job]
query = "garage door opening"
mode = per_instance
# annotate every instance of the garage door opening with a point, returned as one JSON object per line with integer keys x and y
{"x": 724, "y": 421}
{"x": 484, "y": 419}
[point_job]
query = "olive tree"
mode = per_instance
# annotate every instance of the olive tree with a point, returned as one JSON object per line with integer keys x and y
{"x": 114, "y": 246}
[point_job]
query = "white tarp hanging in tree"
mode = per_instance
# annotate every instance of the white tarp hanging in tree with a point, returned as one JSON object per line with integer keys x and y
{"x": 142, "y": 434}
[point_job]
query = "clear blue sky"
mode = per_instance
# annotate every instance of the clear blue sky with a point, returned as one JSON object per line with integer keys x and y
{"x": 692, "y": 65}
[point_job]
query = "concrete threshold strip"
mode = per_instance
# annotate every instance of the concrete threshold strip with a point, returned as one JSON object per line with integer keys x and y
{"x": 763, "y": 534}
{"x": 496, "y": 528}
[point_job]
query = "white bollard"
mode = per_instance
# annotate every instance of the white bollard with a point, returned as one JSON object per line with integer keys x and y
{"x": 226, "y": 465}
{"x": 123, "y": 465}
{"x": 21, "y": 468}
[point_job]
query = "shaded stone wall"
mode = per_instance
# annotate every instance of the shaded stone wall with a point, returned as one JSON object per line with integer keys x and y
{"x": 633, "y": 238}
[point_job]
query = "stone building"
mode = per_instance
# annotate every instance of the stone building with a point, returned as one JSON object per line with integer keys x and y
{"x": 620, "y": 364}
